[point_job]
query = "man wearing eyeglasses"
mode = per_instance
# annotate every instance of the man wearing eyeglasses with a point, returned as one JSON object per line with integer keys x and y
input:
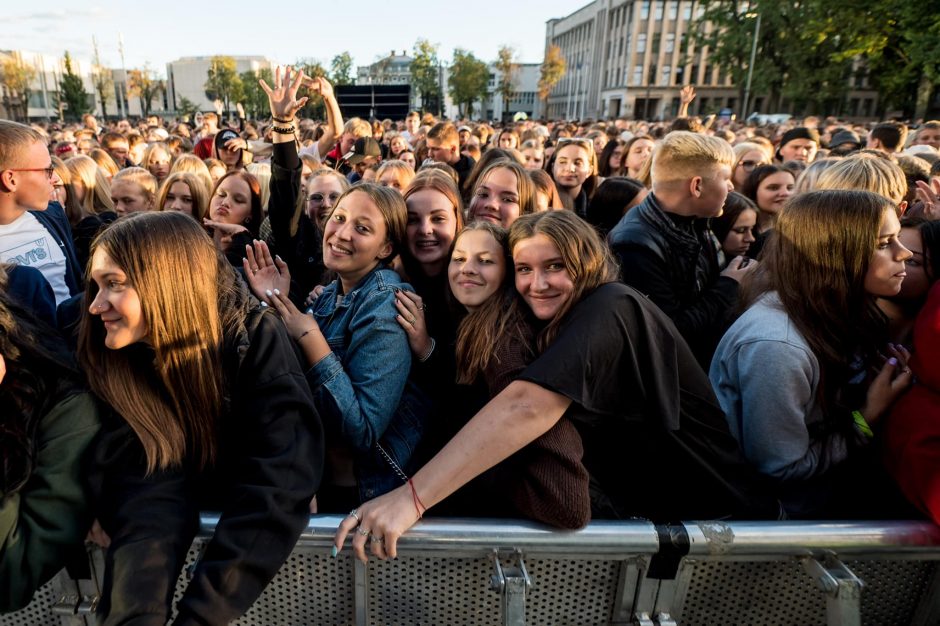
{"x": 33, "y": 232}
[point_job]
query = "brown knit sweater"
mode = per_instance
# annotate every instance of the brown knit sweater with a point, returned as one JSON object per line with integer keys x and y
{"x": 545, "y": 481}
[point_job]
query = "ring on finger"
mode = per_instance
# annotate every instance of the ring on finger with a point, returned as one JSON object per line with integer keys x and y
{"x": 375, "y": 539}
{"x": 413, "y": 320}
{"x": 362, "y": 531}
{"x": 422, "y": 307}
{"x": 355, "y": 513}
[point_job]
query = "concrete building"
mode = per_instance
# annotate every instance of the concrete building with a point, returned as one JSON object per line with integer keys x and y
{"x": 43, "y": 102}
{"x": 525, "y": 96}
{"x": 631, "y": 57}
{"x": 186, "y": 78}
{"x": 395, "y": 69}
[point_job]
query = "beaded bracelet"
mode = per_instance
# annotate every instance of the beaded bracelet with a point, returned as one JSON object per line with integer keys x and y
{"x": 284, "y": 130}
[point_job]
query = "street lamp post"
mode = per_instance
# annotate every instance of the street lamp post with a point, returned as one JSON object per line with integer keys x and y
{"x": 750, "y": 68}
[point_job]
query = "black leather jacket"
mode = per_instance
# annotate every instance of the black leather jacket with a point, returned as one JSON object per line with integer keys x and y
{"x": 673, "y": 260}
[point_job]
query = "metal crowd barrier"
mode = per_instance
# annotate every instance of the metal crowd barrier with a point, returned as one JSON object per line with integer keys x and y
{"x": 491, "y": 572}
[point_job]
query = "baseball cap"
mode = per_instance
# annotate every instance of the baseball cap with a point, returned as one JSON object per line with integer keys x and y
{"x": 224, "y": 135}
{"x": 364, "y": 148}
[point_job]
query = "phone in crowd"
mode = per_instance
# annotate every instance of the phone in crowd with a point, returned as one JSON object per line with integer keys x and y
{"x": 744, "y": 263}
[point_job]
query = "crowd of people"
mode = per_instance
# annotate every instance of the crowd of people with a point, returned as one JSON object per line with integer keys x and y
{"x": 560, "y": 321}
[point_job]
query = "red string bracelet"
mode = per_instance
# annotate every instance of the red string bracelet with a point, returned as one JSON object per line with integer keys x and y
{"x": 416, "y": 499}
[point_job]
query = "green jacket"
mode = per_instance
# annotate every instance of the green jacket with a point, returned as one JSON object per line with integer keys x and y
{"x": 41, "y": 522}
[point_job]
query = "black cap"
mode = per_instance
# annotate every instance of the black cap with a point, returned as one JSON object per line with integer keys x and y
{"x": 224, "y": 135}
{"x": 363, "y": 148}
{"x": 844, "y": 137}
{"x": 800, "y": 132}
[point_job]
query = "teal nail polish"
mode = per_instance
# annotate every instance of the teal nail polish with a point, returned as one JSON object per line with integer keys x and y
{"x": 333, "y": 551}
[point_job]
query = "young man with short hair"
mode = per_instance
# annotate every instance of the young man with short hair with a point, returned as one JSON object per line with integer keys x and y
{"x": 34, "y": 232}
{"x": 887, "y": 137}
{"x": 355, "y": 128}
{"x": 118, "y": 147}
{"x": 664, "y": 245}
{"x": 798, "y": 144}
{"x": 928, "y": 135}
{"x": 412, "y": 124}
{"x": 444, "y": 147}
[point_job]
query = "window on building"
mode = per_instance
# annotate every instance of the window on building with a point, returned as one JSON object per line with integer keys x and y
{"x": 659, "y": 10}
{"x": 680, "y": 75}
{"x": 626, "y": 46}
{"x": 686, "y": 10}
{"x": 641, "y": 42}
{"x": 707, "y": 76}
{"x": 683, "y": 43}
{"x": 703, "y": 106}
{"x": 667, "y": 75}
{"x": 670, "y": 42}
{"x": 620, "y": 49}
{"x": 637, "y": 74}
{"x": 673, "y": 10}
{"x": 645, "y": 10}
{"x": 655, "y": 47}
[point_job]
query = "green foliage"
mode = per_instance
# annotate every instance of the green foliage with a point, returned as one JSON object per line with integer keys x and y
{"x": 314, "y": 107}
{"x": 341, "y": 69}
{"x": 17, "y": 75}
{"x": 187, "y": 108}
{"x": 145, "y": 85}
{"x": 424, "y": 70}
{"x": 71, "y": 91}
{"x": 507, "y": 70}
{"x": 809, "y": 52}
{"x": 222, "y": 81}
{"x": 254, "y": 99}
{"x": 553, "y": 69}
{"x": 468, "y": 80}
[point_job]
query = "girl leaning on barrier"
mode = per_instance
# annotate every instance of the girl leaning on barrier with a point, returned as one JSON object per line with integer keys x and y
{"x": 615, "y": 366}
{"x": 210, "y": 411}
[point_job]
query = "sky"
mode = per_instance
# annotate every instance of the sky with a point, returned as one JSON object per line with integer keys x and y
{"x": 157, "y": 32}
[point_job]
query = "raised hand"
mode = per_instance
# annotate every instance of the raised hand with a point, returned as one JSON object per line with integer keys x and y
{"x": 282, "y": 98}
{"x": 929, "y": 194}
{"x": 264, "y": 274}
{"x": 687, "y": 94}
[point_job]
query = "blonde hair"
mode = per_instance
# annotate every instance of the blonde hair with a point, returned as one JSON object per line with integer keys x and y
{"x": 262, "y": 171}
{"x": 749, "y": 146}
{"x": 154, "y": 147}
{"x": 14, "y": 139}
{"x": 141, "y": 177}
{"x": 402, "y": 171}
{"x": 92, "y": 178}
{"x": 105, "y": 161}
{"x": 196, "y": 188}
{"x": 192, "y": 164}
{"x": 682, "y": 155}
{"x": 808, "y": 178}
{"x": 358, "y": 127}
{"x": 863, "y": 172}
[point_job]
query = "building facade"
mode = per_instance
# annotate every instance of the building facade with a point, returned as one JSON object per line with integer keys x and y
{"x": 186, "y": 78}
{"x": 630, "y": 58}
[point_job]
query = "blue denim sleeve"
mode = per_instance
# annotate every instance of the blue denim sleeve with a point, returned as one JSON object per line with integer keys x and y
{"x": 361, "y": 397}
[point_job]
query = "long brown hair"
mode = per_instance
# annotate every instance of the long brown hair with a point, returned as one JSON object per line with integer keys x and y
{"x": 586, "y": 257}
{"x": 816, "y": 262}
{"x": 173, "y": 397}
{"x": 495, "y": 321}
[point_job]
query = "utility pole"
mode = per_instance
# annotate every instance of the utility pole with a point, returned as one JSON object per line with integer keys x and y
{"x": 750, "y": 68}
{"x": 45, "y": 91}
{"x": 124, "y": 112}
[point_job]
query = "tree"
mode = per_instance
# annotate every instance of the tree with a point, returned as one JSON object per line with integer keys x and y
{"x": 469, "y": 77}
{"x": 312, "y": 68}
{"x": 341, "y": 67}
{"x": 17, "y": 75}
{"x": 187, "y": 108}
{"x": 72, "y": 92}
{"x": 254, "y": 99}
{"x": 553, "y": 69}
{"x": 425, "y": 72}
{"x": 144, "y": 84}
{"x": 102, "y": 80}
{"x": 507, "y": 70}
{"x": 222, "y": 81}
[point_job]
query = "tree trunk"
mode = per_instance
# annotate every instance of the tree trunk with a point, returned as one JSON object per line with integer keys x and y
{"x": 922, "y": 101}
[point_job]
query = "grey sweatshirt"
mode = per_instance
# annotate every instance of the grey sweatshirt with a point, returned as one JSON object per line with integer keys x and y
{"x": 766, "y": 378}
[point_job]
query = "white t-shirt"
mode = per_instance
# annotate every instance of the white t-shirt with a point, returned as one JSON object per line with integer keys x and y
{"x": 25, "y": 241}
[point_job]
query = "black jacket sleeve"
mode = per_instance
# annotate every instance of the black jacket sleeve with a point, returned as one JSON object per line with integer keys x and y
{"x": 274, "y": 469}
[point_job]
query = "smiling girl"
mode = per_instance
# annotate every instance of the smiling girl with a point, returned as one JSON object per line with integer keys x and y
{"x": 209, "y": 411}
{"x": 502, "y": 193}
{"x": 575, "y": 173}
{"x": 184, "y": 192}
{"x": 611, "y": 363}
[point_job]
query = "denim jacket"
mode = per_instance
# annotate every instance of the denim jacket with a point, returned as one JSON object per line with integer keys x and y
{"x": 363, "y": 388}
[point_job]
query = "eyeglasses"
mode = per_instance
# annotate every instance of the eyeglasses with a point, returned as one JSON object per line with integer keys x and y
{"x": 749, "y": 166}
{"x": 48, "y": 170}
{"x": 318, "y": 198}
{"x": 578, "y": 141}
